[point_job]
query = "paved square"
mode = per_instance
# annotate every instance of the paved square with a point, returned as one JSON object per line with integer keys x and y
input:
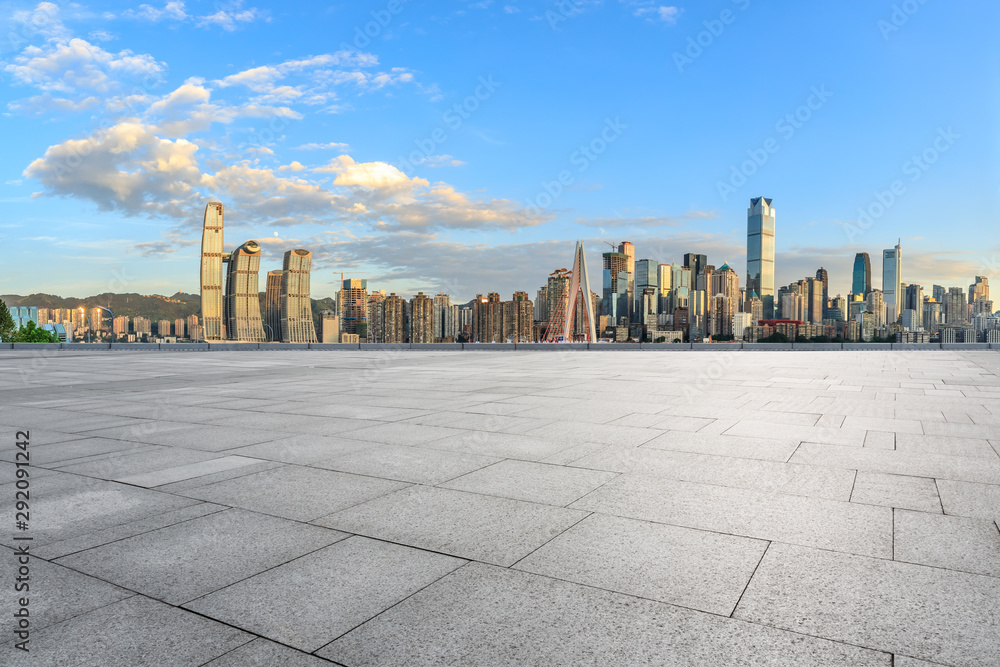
{"x": 506, "y": 508}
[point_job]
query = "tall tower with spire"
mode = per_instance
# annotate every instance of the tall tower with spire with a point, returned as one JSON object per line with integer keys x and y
{"x": 577, "y": 291}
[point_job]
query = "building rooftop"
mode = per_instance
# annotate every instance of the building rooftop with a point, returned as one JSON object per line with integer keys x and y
{"x": 506, "y": 508}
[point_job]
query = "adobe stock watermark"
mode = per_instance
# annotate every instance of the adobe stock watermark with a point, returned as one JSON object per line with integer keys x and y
{"x": 581, "y": 158}
{"x": 451, "y": 119}
{"x": 697, "y": 44}
{"x": 786, "y": 127}
{"x": 901, "y": 13}
{"x": 914, "y": 168}
{"x": 564, "y": 10}
{"x": 381, "y": 18}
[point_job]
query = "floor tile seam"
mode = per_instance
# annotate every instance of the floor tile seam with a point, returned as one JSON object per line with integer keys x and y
{"x": 395, "y": 604}
{"x": 182, "y": 605}
{"x": 232, "y": 650}
{"x": 554, "y": 537}
{"x": 243, "y": 471}
{"x": 750, "y": 579}
{"x": 221, "y": 508}
{"x": 131, "y": 594}
{"x": 937, "y": 490}
{"x": 743, "y": 536}
{"x": 681, "y": 478}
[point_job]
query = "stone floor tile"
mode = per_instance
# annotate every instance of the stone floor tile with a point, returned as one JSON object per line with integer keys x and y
{"x": 945, "y": 446}
{"x": 930, "y": 613}
{"x": 725, "y": 471}
{"x": 138, "y": 632}
{"x": 55, "y": 593}
{"x": 302, "y": 449}
{"x": 534, "y": 482}
{"x": 951, "y": 542}
{"x": 970, "y": 499}
{"x": 180, "y": 473}
{"x": 691, "y": 568}
{"x": 263, "y": 653}
{"x": 467, "y": 525}
{"x": 311, "y": 601}
{"x": 914, "y": 493}
{"x": 407, "y": 464}
{"x": 764, "y": 449}
{"x": 484, "y": 615}
{"x": 880, "y": 440}
{"x": 896, "y": 462}
{"x": 501, "y": 445}
{"x": 178, "y": 563}
{"x": 827, "y": 524}
{"x": 295, "y": 492}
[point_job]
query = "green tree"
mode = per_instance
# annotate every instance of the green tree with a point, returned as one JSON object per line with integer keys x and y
{"x": 7, "y": 328}
{"x": 30, "y": 333}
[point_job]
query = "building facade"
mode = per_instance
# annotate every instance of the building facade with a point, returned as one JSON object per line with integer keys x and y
{"x": 212, "y": 285}
{"x": 760, "y": 252}
{"x": 242, "y": 302}
{"x": 296, "y": 304}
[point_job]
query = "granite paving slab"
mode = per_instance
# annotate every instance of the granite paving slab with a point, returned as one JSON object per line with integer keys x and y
{"x": 970, "y": 499}
{"x": 485, "y": 615}
{"x": 828, "y": 524}
{"x": 927, "y": 612}
{"x": 902, "y": 491}
{"x": 951, "y": 542}
{"x": 691, "y": 568}
{"x": 407, "y": 464}
{"x": 138, "y": 632}
{"x": 186, "y": 560}
{"x": 534, "y": 482}
{"x": 467, "y": 525}
{"x": 295, "y": 492}
{"x": 179, "y": 473}
{"x": 311, "y": 601}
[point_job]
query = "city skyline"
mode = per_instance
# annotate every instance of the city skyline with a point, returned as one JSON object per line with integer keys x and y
{"x": 318, "y": 140}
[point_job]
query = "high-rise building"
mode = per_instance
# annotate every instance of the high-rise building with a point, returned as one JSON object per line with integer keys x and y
{"x": 814, "y": 289}
{"x": 422, "y": 309}
{"x": 891, "y": 266}
{"x": 518, "y": 318}
{"x": 542, "y": 304}
{"x": 272, "y": 305}
{"x": 329, "y": 327}
{"x": 697, "y": 316}
{"x": 914, "y": 298}
{"x": 979, "y": 289}
{"x": 823, "y": 277}
{"x": 726, "y": 294}
{"x": 697, "y": 264}
{"x": 375, "y": 317}
{"x": 163, "y": 328}
{"x": 242, "y": 302}
{"x": 876, "y": 306}
{"x": 487, "y": 318}
{"x": 615, "y": 264}
{"x": 142, "y": 326}
{"x": 956, "y": 307}
{"x": 861, "y": 283}
{"x": 647, "y": 276}
{"x": 353, "y": 300}
{"x": 627, "y": 249}
{"x": 394, "y": 315}
{"x": 443, "y": 329}
{"x": 760, "y": 252}
{"x": 938, "y": 292}
{"x": 666, "y": 285}
{"x": 211, "y": 273}
{"x": 296, "y": 304}
{"x": 179, "y": 329}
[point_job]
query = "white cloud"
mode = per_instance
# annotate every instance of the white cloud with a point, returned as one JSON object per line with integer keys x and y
{"x": 46, "y": 104}
{"x": 652, "y": 11}
{"x": 77, "y": 65}
{"x": 173, "y": 11}
{"x": 44, "y": 20}
{"x": 440, "y": 161}
{"x": 333, "y": 145}
{"x": 231, "y": 16}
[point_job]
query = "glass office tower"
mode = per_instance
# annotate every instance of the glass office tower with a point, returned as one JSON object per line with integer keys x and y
{"x": 760, "y": 252}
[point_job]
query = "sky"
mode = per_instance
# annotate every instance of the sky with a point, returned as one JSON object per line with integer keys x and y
{"x": 465, "y": 147}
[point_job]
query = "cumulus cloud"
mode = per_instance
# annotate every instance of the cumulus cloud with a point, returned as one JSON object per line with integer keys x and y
{"x": 332, "y": 145}
{"x": 77, "y": 65}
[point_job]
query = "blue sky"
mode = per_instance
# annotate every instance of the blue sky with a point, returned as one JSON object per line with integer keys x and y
{"x": 464, "y": 146}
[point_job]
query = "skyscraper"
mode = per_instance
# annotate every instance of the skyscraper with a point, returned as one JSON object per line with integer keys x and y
{"x": 862, "y": 277}
{"x": 272, "y": 305}
{"x": 979, "y": 289}
{"x": 696, "y": 263}
{"x": 760, "y": 252}
{"x": 353, "y": 300}
{"x": 296, "y": 305}
{"x": 242, "y": 303}
{"x": 891, "y": 265}
{"x": 211, "y": 273}
{"x": 824, "y": 277}
{"x": 615, "y": 263}
{"x": 647, "y": 276}
{"x": 422, "y": 319}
